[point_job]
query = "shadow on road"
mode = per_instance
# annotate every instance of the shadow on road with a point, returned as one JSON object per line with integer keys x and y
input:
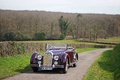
{"x": 54, "y": 71}
{"x": 28, "y": 69}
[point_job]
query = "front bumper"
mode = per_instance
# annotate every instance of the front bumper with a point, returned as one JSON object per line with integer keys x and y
{"x": 42, "y": 67}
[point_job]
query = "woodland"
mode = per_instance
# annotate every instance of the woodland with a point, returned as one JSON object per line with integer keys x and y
{"x": 17, "y": 25}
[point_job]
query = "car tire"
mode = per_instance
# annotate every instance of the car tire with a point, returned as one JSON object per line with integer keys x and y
{"x": 65, "y": 69}
{"x": 35, "y": 69}
{"x": 74, "y": 65}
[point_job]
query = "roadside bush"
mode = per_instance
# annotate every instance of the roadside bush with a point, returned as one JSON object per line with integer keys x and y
{"x": 12, "y": 48}
{"x": 11, "y": 36}
{"x": 0, "y": 37}
{"x": 20, "y": 37}
{"x": 21, "y": 48}
{"x": 40, "y": 36}
{"x": 62, "y": 36}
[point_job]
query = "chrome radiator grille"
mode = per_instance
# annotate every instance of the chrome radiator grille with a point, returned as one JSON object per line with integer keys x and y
{"x": 47, "y": 59}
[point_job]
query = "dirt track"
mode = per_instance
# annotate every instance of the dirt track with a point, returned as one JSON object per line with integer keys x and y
{"x": 85, "y": 61}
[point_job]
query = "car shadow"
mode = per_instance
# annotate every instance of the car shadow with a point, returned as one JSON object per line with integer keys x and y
{"x": 28, "y": 70}
{"x": 54, "y": 71}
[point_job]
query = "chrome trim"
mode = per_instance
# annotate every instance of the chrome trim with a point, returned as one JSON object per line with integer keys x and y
{"x": 51, "y": 67}
{"x": 58, "y": 66}
{"x": 47, "y": 61}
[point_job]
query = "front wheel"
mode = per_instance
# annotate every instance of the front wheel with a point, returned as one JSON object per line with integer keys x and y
{"x": 65, "y": 69}
{"x": 35, "y": 69}
{"x": 74, "y": 65}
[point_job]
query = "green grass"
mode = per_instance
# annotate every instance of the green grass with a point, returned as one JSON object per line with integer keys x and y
{"x": 114, "y": 39}
{"x": 107, "y": 66}
{"x": 85, "y": 49}
{"x": 14, "y": 65}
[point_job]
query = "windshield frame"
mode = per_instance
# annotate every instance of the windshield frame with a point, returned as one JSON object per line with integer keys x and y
{"x": 56, "y": 46}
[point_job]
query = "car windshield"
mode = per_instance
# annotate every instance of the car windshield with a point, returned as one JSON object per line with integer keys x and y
{"x": 56, "y": 46}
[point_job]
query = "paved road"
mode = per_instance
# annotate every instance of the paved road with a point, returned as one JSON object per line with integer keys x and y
{"x": 85, "y": 61}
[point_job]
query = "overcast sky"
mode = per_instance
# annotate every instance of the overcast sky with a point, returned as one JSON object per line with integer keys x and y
{"x": 74, "y": 6}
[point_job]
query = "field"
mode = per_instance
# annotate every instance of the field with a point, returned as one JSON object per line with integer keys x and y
{"x": 107, "y": 67}
{"x": 114, "y": 39}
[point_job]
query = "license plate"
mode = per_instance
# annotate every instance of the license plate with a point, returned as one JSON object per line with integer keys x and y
{"x": 46, "y": 68}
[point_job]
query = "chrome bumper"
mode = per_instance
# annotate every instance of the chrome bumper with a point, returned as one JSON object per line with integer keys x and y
{"x": 41, "y": 67}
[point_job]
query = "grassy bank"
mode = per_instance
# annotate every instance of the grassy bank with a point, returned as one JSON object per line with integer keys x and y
{"x": 20, "y": 63}
{"x": 107, "y": 67}
{"x": 14, "y": 65}
{"x": 85, "y": 49}
{"x": 114, "y": 39}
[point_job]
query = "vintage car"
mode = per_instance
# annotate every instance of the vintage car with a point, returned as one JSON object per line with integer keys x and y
{"x": 60, "y": 56}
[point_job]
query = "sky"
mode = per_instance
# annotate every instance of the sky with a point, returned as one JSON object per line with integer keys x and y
{"x": 70, "y": 6}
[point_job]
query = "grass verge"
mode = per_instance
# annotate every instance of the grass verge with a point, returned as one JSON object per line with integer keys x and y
{"x": 113, "y": 39}
{"x": 20, "y": 63}
{"x": 60, "y": 41}
{"x": 106, "y": 67}
{"x": 85, "y": 49}
{"x": 14, "y": 65}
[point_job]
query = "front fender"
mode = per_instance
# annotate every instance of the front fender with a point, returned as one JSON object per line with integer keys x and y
{"x": 64, "y": 57}
{"x": 33, "y": 57}
{"x": 75, "y": 55}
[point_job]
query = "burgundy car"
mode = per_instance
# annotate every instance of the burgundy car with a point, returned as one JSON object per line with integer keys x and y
{"x": 56, "y": 56}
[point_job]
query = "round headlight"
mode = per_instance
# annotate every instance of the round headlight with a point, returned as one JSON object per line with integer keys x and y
{"x": 39, "y": 57}
{"x": 56, "y": 57}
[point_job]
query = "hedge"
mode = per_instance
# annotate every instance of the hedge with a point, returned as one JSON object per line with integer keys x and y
{"x": 10, "y": 48}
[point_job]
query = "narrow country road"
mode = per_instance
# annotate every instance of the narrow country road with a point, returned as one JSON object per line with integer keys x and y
{"x": 85, "y": 61}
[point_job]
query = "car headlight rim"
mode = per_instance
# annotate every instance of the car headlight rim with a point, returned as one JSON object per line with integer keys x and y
{"x": 39, "y": 57}
{"x": 56, "y": 58}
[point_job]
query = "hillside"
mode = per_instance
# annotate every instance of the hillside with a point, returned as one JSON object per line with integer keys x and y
{"x": 86, "y": 26}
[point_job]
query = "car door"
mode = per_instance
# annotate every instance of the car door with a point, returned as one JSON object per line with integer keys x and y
{"x": 71, "y": 55}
